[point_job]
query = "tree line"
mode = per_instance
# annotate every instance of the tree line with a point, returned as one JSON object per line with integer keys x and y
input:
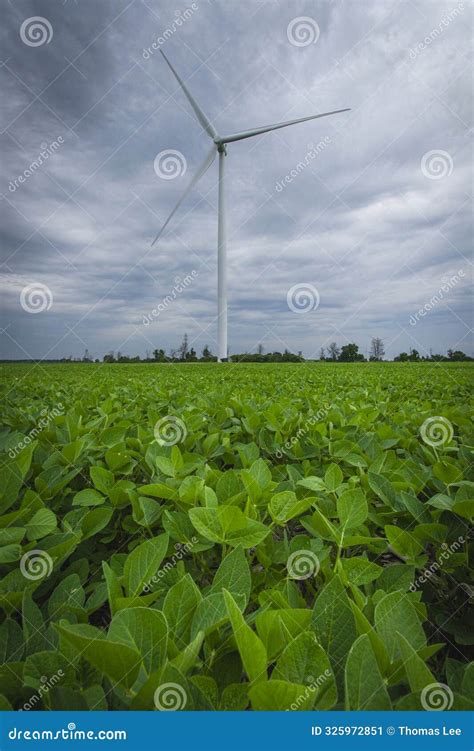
{"x": 332, "y": 353}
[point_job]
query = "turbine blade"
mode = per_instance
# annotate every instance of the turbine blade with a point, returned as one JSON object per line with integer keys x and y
{"x": 203, "y": 120}
{"x": 277, "y": 126}
{"x": 202, "y": 169}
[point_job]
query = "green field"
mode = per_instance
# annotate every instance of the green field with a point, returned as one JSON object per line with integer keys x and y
{"x": 203, "y": 536}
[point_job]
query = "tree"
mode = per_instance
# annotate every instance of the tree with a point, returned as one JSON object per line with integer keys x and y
{"x": 457, "y": 355}
{"x": 191, "y": 355}
{"x": 322, "y": 354}
{"x": 413, "y": 356}
{"x": 109, "y": 357}
{"x": 183, "y": 350}
{"x": 377, "y": 349}
{"x": 159, "y": 355}
{"x": 206, "y": 353}
{"x": 334, "y": 351}
{"x": 350, "y": 353}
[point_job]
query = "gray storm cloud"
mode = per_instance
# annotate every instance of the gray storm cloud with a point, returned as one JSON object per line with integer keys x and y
{"x": 371, "y": 207}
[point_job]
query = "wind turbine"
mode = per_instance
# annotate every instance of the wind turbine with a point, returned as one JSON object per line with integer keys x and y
{"x": 219, "y": 146}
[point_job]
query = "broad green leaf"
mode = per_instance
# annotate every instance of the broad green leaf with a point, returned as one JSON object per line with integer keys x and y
{"x": 235, "y": 697}
{"x": 333, "y": 477}
{"x": 94, "y": 521}
{"x": 33, "y": 625}
{"x": 68, "y": 597}
{"x": 114, "y": 590}
{"x": 41, "y": 524}
{"x": 144, "y": 630}
{"x": 143, "y": 564}
{"x": 103, "y": 479}
{"x": 10, "y": 553}
{"x": 179, "y": 607}
{"x": 448, "y": 472}
{"x": 333, "y": 622}
{"x": 251, "y": 649}
{"x": 396, "y": 576}
{"x": 11, "y": 641}
{"x": 256, "y": 479}
{"x": 188, "y": 657}
{"x": 352, "y": 509}
{"x": 360, "y": 571}
{"x": 305, "y": 662}
{"x": 363, "y": 626}
{"x": 159, "y": 490}
{"x": 191, "y": 489}
{"x": 384, "y": 490}
{"x": 233, "y": 574}
{"x": 277, "y": 695}
{"x": 364, "y": 686}
{"x": 88, "y": 497}
{"x": 12, "y": 480}
{"x": 416, "y": 670}
{"x": 277, "y": 627}
{"x": 116, "y": 660}
{"x": 58, "y": 671}
{"x": 211, "y": 612}
{"x": 228, "y": 524}
{"x": 312, "y": 483}
{"x": 285, "y": 506}
{"x": 394, "y": 614}
{"x": 403, "y": 542}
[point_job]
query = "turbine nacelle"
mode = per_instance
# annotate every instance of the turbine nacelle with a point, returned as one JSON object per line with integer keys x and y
{"x": 220, "y": 145}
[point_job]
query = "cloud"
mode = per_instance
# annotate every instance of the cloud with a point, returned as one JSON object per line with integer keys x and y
{"x": 357, "y": 217}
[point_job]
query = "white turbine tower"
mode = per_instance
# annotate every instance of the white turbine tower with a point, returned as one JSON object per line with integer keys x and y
{"x": 219, "y": 147}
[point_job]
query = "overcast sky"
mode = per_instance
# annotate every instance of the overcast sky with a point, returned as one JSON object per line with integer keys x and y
{"x": 368, "y": 210}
